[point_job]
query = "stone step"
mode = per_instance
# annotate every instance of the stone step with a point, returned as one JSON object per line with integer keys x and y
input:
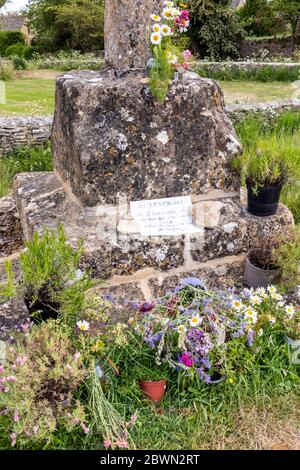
{"x": 114, "y": 247}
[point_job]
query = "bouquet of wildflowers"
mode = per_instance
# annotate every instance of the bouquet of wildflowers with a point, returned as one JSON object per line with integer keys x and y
{"x": 194, "y": 329}
{"x": 166, "y": 26}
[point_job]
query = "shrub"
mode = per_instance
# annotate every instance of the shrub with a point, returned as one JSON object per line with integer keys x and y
{"x": 228, "y": 71}
{"x": 19, "y": 63}
{"x": 29, "y": 52}
{"x": 8, "y": 38}
{"x": 15, "y": 50}
{"x": 39, "y": 380}
{"x": 6, "y": 71}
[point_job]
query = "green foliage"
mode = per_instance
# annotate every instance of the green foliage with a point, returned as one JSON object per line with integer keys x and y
{"x": 19, "y": 63}
{"x": 17, "y": 49}
{"x": 48, "y": 266}
{"x": 281, "y": 135}
{"x": 29, "y": 52}
{"x": 8, "y": 38}
{"x": 7, "y": 288}
{"x": 161, "y": 72}
{"x": 215, "y": 28}
{"x": 258, "y": 18}
{"x": 229, "y": 72}
{"x": 6, "y": 71}
{"x": 75, "y": 24}
{"x": 289, "y": 10}
{"x": 24, "y": 159}
{"x": 286, "y": 256}
{"x": 41, "y": 371}
{"x": 66, "y": 60}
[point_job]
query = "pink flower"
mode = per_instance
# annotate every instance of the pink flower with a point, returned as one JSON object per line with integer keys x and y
{"x": 107, "y": 443}
{"x": 68, "y": 367}
{"x": 16, "y": 417}
{"x": 186, "y": 359}
{"x": 133, "y": 419}
{"x": 122, "y": 444}
{"x": 35, "y": 429}
{"x": 187, "y": 54}
{"x": 1, "y": 369}
{"x": 85, "y": 429}
{"x": 77, "y": 356}
{"x": 20, "y": 360}
{"x": 13, "y": 437}
{"x": 11, "y": 378}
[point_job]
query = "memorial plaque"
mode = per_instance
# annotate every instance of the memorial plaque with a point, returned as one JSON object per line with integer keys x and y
{"x": 164, "y": 217}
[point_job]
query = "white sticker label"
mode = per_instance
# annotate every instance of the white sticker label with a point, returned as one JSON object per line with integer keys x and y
{"x": 169, "y": 216}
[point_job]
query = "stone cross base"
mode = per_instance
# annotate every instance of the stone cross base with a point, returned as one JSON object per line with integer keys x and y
{"x": 141, "y": 267}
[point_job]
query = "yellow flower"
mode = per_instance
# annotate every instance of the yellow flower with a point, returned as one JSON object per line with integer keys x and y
{"x": 237, "y": 304}
{"x": 230, "y": 380}
{"x": 97, "y": 346}
{"x": 156, "y": 28}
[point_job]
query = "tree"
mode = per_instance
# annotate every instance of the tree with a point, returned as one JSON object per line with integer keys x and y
{"x": 215, "y": 28}
{"x": 2, "y": 3}
{"x": 74, "y": 24}
{"x": 258, "y": 18}
{"x": 289, "y": 10}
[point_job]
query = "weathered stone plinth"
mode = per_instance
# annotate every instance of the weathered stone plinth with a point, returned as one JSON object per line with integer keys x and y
{"x": 142, "y": 266}
{"x": 111, "y": 139}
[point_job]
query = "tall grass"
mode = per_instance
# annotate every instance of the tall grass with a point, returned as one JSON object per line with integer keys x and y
{"x": 282, "y": 135}
{"x": 24, "y": 159}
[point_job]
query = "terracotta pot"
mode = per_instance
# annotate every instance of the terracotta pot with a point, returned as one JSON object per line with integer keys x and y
{"x": 256, "y": 277}
{"x": 154, "y": 390}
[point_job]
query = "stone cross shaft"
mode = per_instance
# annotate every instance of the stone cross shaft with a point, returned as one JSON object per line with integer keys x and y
{"x": 126, "y": 32}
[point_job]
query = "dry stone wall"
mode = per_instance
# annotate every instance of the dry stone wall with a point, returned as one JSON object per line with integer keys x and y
{"x": 21, "y": 131}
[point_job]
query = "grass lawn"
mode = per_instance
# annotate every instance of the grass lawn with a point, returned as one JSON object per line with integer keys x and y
{"x": 32, "y": 93}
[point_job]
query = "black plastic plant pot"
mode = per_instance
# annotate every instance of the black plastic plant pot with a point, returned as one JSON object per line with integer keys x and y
{"x": 256, "y": 277}
{"x": 264, "y": 201}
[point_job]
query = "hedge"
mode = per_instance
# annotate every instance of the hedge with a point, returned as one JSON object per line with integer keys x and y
{"x": 9, "y": 38}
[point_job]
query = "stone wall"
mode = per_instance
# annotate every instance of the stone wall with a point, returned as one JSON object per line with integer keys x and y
{"x": 19, "y": 131}
{"x": 274, "y": 46}
{"x": 267, "y": 111}
{"x": 27, "y": 130}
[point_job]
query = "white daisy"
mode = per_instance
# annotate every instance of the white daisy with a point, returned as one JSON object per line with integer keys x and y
{"x": 155, "y": 38}
{"x": 251, "y": 316}
{"x": 290, "y": 311}
{"x": 272, "y": 289}
{"x": 166, "y": 30}
{"x": 156, "y": 28}
{"x": 168, "y": 14}
{"x": 83, "y": 325}
{"x": 172, "y": 59}
{"x": 155, "y": 17}
{"x": 195, "y": 320}
{"x": 236, "y": 304}
{"x": 169, "y": 4}
{"x": 260, "y": 291}
{"x": 278, "y": 297}
{"x": 255, "y": 300}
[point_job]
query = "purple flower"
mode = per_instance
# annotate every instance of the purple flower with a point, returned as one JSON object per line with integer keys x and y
{"x": 203, "y": 376}
{"x": 250, "y": 337}
{"x": 146, "y": 307}
{"x": 206, "y": 362}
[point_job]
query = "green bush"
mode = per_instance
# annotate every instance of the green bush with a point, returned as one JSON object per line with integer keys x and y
{"x": 29, "y": 52}
{"x": 8, "y": 38}
{"x": 17, "y": 49}
{"x": 19, "y": 63}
